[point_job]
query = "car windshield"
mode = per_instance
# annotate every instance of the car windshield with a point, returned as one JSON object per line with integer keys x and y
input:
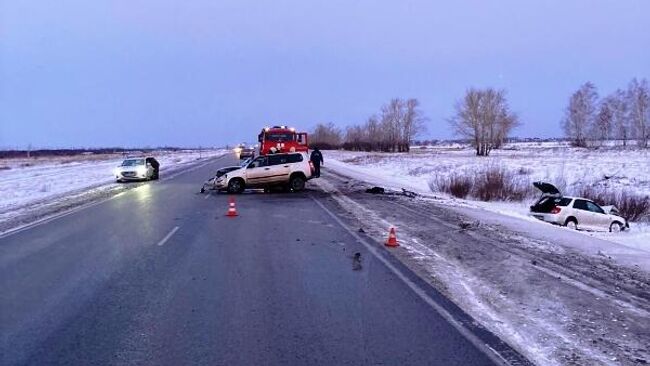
{"x": 133, "y": 162}
{"x": 279, "y": 137}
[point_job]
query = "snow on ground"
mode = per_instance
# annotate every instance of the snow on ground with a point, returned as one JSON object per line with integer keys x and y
{"x": 26, "y": 181}
{"x": 558, "y": 296}
{"x": 564, "y": 166}
{"x": 554, "y": 304}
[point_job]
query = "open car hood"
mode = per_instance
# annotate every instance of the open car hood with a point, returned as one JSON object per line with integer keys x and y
{"x": 226, "y": 170}
{"x": 547, "y": 188}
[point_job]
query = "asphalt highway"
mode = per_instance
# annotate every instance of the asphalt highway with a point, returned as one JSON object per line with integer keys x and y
{"x": 160, "y": 276}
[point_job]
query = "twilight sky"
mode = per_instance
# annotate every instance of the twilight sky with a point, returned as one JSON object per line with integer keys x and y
{"x": 210, "y": 72}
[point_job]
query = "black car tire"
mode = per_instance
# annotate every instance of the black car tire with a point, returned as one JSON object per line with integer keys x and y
{"x": 616, "y": 227}
{"x": 568, "y": 223}
{"x": 236, "y": 185}
{"x": 297, "y": 183}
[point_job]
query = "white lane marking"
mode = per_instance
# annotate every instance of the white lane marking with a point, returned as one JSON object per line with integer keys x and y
{"x": 491, "y": 353}
{"x": 164, "y": 240}
{"x": 207, "y": 196}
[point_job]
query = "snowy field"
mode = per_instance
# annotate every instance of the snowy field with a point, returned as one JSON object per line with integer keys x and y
{"x": 566, "y": 167}
{"x": 26, "y": 182}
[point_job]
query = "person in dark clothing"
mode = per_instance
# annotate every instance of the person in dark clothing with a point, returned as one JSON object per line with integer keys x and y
{"x": 317, "y": 159}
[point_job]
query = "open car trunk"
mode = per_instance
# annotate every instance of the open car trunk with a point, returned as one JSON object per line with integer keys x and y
{"x": 550, "y": 197}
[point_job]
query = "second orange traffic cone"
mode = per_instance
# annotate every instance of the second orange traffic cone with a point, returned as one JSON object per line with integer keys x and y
{"x": 392, "y": 239}
{"x": 232, "y": 210}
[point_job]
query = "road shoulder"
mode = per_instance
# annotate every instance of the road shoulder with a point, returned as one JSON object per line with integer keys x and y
{"x": 547, "y": 301}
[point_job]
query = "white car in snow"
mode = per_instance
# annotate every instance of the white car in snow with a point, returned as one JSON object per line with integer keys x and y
{"x": 574, "y": 212}
{"x": 144, "y": 168}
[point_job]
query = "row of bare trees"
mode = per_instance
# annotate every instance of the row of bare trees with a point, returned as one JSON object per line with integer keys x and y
{"x": 398, "y": 123}
{"x": 484, "y": 117}
{"x": 326, "y": 136}
{"x": 622, "y": 115}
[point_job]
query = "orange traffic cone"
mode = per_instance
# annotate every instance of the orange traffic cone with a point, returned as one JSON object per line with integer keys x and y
{"x": 392, "y": 239}
{"x": 232, "y": 210}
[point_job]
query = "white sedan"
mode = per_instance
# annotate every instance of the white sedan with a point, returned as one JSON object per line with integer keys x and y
{"x": 137, "y": 169}
{"x": 574, "y": 212}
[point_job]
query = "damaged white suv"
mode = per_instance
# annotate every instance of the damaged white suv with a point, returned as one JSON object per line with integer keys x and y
{"x": 290, "y": 171}
{"x": 574, "y": 212}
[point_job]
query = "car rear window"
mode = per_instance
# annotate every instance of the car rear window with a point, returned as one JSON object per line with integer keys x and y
{"x": 295, "y": 158}
{"x": 562, "y": 201}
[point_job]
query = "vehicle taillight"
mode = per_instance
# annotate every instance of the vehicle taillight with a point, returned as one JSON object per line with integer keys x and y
{"x": 556, "y": 210}
{"x": 311, "y": 167}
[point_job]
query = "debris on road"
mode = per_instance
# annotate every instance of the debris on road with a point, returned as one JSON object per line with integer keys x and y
{"x": 465, "y": 225}
{"x": 356, "y": 262}
{"x": 376, "y": 190}
{"x": 382, "y": 190}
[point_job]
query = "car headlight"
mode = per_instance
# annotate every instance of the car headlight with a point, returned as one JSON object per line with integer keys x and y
{"x": 141, "y": 170}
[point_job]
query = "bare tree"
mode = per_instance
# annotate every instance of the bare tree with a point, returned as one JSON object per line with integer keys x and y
{"x": 638, "y": 97}
{"x": 621, "y": 126}
{"x": 391, "y": 118}
{"x": 399, "y": 122}
{"x": 356, "y": 138}
{"x": 374, "y": 134}
{"x": 326, "y": 136}
{"x": 602, "y": 127}
{"x": 484, "y": 117}
{"x": 580, "y": 114}
{"x": 413, "y": 123}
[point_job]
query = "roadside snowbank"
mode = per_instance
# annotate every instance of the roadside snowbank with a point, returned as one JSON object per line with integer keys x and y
{"x": 413, "y": 172}
{"x": 28, "y": 181}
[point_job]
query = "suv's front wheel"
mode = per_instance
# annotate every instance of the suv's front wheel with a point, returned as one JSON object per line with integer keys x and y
{"x": 297, "y": 183}
{"x": 236, "y": 185}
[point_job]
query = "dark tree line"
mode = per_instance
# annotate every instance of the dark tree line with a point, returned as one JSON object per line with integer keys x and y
{"x": 394, "y": 129}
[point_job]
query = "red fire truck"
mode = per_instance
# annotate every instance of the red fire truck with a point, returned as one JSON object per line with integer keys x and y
{"x": 278, "y": 139}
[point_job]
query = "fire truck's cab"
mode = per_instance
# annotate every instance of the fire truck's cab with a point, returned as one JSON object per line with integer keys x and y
{"x": 282, "y": 139}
